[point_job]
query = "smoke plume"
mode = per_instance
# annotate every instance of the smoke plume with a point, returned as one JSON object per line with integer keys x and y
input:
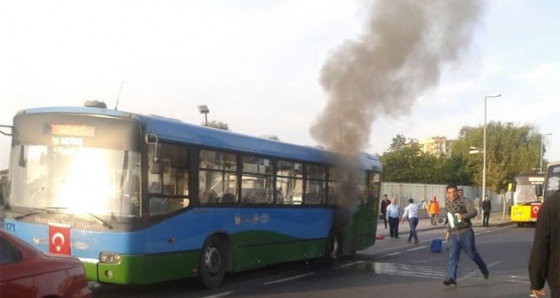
{"x": 399, "y": 57}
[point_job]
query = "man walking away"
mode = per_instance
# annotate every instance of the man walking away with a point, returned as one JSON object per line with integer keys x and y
{"x": 411, "y": 212}
{"x": 486, "y": 209}
{"x": 544, "y": 261}
{"x": 460, "y": 235}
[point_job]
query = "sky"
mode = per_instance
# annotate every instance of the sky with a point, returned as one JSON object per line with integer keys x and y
{"x": 258, "y": 65}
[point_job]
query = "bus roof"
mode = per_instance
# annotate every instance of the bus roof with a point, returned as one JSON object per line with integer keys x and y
{"x": 553, "y": 163}
{"x": 177, "y": 131}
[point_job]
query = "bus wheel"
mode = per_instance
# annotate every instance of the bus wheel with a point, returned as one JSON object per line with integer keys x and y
{"x": 211, "y": 268}
{"x": 519, "y": 224}
{"x": 332, "y": 251}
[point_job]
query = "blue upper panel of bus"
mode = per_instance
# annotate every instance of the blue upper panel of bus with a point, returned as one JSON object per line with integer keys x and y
{"x": 177, "y": 131}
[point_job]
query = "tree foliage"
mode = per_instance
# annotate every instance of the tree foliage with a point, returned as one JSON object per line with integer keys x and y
{"x": 510, "y": 149}
{"x": 218, "y": 125}
{"x": 405, "y": 162}
{"x": 270, "y": 137}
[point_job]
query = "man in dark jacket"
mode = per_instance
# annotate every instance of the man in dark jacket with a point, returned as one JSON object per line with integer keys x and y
{"x": 384, "y": 203}
{"x": 486, "y": 209}
{"x": 544, "y": 261}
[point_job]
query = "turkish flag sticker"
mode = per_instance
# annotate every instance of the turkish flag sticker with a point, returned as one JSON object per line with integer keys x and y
{"x": 535, "y": 207}
{"x": 59, "y": 239}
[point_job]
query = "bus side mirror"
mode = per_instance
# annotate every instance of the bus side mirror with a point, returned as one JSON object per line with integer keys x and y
{"x": 152, "y": 139}
{"x": 22, "y": 158}
{"x": 538, "y": 190}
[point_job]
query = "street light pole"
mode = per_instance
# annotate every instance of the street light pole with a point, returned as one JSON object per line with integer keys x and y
{"x": 484, "y": 146}
{"x": 542, "y": 149}
{"x": 203, "y": 109}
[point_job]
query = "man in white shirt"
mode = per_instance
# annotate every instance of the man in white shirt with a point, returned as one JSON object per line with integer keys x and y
{"x": 411, "y": 212}
{"x": 393, "y": 216}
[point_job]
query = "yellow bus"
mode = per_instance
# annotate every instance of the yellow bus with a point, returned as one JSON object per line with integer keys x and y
{"x": 526, "y": 200}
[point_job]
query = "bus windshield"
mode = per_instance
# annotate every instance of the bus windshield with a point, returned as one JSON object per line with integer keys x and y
{"x": 77, "y": 163}
{"x": 101, "y": 181}
{"x": 525, "y": 188}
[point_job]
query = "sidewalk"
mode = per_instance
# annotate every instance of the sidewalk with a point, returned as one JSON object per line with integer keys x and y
{"x": 425, "y": 225}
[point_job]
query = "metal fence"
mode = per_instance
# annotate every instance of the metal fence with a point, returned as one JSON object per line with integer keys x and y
{"x": 418, "y": 192}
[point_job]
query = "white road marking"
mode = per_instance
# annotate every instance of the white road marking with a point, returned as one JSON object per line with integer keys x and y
{"x": 351, "y": 264}
{"x": 393, "y": 254}
{"x": 416, "y": 248}
{"x": 288, "y": 279}
{"x": 476, "y": 272}
{"x": 220, "y": 295}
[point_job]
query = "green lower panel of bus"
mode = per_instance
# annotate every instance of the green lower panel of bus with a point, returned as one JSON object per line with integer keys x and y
{"x": 250, "y": 249}
{"x": 144, "y": 269}
{"x": 244, "y": 250}
{"x": 254, "y": 256}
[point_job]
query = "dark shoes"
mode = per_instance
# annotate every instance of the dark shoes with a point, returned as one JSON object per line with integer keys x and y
{"x": 449, "y": 283}
{"x": 486, "y": 274}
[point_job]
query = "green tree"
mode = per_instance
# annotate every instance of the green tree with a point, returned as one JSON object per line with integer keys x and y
{"x": 405, "y": 162}
{"x": 510, "y": 150}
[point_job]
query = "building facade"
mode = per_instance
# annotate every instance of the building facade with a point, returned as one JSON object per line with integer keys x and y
{"x": 437, "y": 146}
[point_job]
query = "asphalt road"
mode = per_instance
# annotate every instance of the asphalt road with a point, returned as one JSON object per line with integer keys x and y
{"x": 392, "y": 268}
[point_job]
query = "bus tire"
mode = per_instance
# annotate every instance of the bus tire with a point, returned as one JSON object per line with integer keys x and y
{"x": 332, "y": 250}
{"x": 519, "y": 224}
{"x": 211, "y": 268}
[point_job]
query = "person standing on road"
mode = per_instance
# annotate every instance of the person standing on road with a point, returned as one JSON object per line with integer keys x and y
{"x": 544, "y": 261}
{"x": 486, "y": 209}
{"x": 411, "y": 212}
{"x": 433, "y": 210}
{"x": 393, "y": 216}
{"x": 384, "y": 203}
{"x": 461, "y": 235}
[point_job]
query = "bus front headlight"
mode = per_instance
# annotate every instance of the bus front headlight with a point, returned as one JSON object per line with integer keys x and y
{"x": 109, "y": 257}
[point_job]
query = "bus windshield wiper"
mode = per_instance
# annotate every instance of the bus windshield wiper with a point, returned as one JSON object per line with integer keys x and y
{"x": 57, "y": 210}
{"x": 35, "y": 211}
{"x": 104, "y": 222}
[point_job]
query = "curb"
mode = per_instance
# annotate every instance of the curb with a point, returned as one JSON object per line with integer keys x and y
{"x": 385, "y": 233}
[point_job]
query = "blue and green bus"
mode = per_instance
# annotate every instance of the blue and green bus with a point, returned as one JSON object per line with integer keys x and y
{"x": 143, "y": 199}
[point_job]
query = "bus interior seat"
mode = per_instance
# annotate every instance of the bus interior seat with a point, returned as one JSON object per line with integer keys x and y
{"x": 311, "y": 198}
{"x": 229, "y": 198}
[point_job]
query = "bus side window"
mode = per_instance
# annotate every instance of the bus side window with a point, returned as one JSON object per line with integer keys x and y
{"x": 217, "y": 177}
{"x": 290, "y": 181}
{"x": 256, "y": 183}
{"x": 168, "y": 189}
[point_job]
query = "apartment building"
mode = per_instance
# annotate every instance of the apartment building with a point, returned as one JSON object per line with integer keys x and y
{"x": 436, "y": 146}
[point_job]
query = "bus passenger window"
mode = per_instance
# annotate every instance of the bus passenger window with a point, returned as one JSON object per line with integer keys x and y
{"x": 217, "y": 177}
{"x": 256, "y": 183}
{"x": 290, "y": 181}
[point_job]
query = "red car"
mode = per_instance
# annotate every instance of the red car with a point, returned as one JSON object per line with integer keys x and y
{"x": 27, "y": 272}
